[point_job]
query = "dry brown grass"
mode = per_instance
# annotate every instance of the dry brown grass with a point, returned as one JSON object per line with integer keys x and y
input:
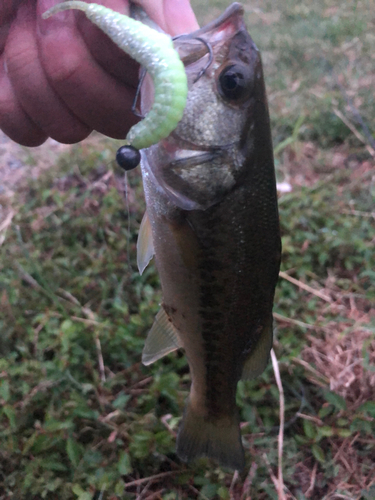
{"x": 342, "y": 355}
{"x": 338, "y": 355}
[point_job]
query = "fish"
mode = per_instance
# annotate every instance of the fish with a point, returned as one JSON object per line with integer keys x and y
{"x": 212, "y": 224}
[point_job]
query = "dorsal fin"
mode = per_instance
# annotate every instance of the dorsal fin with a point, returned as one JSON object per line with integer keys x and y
{"x": 161, "y": 339}
{"x": 145, "y": 245}
{"x": 257, "y": 360}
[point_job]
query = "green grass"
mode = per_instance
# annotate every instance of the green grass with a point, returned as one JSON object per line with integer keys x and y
{"x": 72, "y": 302}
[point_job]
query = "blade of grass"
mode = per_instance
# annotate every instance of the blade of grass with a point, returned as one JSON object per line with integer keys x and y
{"x": 280, "y": 479}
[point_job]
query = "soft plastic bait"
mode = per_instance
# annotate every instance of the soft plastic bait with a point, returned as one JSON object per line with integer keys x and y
{"x": 156, "y": 53}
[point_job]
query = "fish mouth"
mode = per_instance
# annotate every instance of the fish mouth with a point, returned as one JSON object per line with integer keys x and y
{"x": 195, "y": 45}
{"x": 179, "y": 169}
{"x": 185, "y": 154}
{"x": 231, "y": 19}
{"x": 175, "y": 172}
{"x": 187, "y": 159}
{"x": 233, "y": 14}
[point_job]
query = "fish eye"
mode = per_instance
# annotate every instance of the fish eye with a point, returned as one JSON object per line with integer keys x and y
{"x": 128, "y": 157}
{"x": 234, "y": 82}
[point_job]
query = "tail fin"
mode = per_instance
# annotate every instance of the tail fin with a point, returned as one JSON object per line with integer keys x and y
{"x": 219, "y": 439}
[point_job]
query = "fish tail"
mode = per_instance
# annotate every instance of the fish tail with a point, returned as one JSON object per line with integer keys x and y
{"x": 219, "y": 439}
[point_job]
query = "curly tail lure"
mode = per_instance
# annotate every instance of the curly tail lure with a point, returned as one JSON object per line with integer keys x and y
{"x": 156, "y": 53}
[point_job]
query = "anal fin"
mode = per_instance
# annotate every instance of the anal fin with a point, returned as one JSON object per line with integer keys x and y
{"x": 258, "y": 358}
{"x": 161, "y": 340}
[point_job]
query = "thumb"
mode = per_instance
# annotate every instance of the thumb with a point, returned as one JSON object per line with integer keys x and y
{"x": 173, "y": 16}
{"x": 179, "y": 17}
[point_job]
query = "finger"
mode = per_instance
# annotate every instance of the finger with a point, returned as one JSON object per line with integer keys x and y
{"x": 110, "y": 57}
{"x": 14, "y": 122}
{"x": 97, "y": 98}
{"x": 4, "y": 30}
{"x": 31, "y": 86}
{"x": 173, "y": 16}
{"x": 8, "y": 11}
{"x": 179, "y": 17}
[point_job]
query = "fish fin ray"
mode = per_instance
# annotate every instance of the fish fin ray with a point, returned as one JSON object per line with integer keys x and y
{"x": 258, "y": 358}
{"x": 187, "y": 243}
{"x": 161, "y": 339}
{"x": 145, "y": 245}
{"x": 219, "y": 439}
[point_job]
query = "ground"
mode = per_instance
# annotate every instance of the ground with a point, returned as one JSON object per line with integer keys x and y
{"x": 80, "y": 417}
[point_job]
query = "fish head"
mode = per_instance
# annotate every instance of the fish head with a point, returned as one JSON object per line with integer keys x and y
{"x": 211, "y": 149}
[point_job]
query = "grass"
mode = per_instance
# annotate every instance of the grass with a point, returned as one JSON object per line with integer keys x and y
{"x": 81, "y": 418}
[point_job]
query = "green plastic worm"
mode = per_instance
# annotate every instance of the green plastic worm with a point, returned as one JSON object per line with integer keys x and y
{"x": 156, "y": 53}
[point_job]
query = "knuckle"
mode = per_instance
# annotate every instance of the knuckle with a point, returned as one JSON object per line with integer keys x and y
{"x": 62, "y": 70}
{"x": 19, "y": 59}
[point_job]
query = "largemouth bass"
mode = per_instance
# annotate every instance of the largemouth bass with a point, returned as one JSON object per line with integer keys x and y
{"x": 212, "y": 223}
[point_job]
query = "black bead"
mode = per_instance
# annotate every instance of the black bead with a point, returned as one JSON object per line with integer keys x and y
{"x": 128, "y": 157}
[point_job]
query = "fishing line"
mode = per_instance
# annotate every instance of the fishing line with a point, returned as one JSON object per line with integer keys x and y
{"x": 127, "y": 204}
{"x": 128, "y": 158}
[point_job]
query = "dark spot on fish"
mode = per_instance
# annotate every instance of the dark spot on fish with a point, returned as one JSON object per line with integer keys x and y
{"x": 169, "y": 310}
{"x": 209, "y": 300}
{"x": 212, "y": 288}
{"x": 211, "y": 266}
{"x": 253, "y": 339}
{"x": 209, "y": 315}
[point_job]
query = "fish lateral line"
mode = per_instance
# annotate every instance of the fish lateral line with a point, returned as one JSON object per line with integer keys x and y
{"x": 154, "y": 51}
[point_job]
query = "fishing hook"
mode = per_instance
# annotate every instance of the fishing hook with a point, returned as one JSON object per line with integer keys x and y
{"x": 210, "y": 52}
{"x": 200, "y": 74}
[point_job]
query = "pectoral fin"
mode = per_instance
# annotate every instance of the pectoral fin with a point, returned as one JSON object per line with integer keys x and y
{"x": 187, "y": 243}
{"x": 257, "y": 360}
{"x": 161, "y": 340}
{"x": 145, "y": 245}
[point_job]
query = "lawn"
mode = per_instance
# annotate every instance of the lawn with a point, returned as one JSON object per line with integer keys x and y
{"x": 81, "y": 418}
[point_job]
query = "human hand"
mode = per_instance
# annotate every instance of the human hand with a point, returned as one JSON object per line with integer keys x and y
{"x": 62, "y": 77}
